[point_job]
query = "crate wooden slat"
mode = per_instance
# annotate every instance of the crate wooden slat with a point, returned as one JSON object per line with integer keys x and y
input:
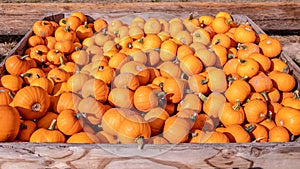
{"x": 184, "y": 156}
{"x": 247, "y": 155}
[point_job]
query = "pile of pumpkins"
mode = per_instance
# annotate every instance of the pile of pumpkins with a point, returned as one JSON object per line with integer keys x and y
{"x": 199, "y": 79}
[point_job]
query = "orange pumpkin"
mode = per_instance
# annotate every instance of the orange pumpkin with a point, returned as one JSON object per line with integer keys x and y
{"x": 239, "y": 89}
{"x": 145, "y": 98}
{"x": 174, "y": 87}
{"x": 83, "y": 138}
{"x": 176, "y": 129}
{"x": 45, "y": 121}
{"x": 212, "y": 104}
{"x": 270, "y": 47}
{"x": 121, "y": 97}
{"x": 247, "y": 67}
{"x": 156, "y": 118}
{"x": 12, "y": 82}
{"x": 49, "y": 135}
{"x": 190, "y": 101}
{"x": 279, "y": 134}
{"x": 16, "y": 64}
{"x": 9, "y": 123}
{"x": 198, "y": 84}
{"x": 244, "y": 33}
{"x": 126, "y": 124}
{"x": 232, "y": 114}
{"x": 67, "y": 100}
{"x": 237, "y": 134}
{"x": 27, "y": 127}
{"x": 126, "y": 80}
{"x": 255, "y": 110}
{"x": 42, "y": 28}
{"x": 32, "y": 102}
{"x": 92, "y": 110}
{"x": 261, "y": 83}
{"x": 259, "y": 133}
{"x": 138, "y": 69}
{"x": 69, "y": 122}
{"x": 6, "y": 96}
{"x": 289, "y": 118}
{"x": 282, "y": 81}
{"x": 95, "y": 88}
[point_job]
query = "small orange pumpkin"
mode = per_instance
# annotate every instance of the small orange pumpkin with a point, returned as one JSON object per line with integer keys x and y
{"x": 9, "y": 123}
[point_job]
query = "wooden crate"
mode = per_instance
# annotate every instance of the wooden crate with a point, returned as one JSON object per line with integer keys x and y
{"x": 84, "y": 156}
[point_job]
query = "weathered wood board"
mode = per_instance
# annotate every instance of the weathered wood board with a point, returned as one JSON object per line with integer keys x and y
{"x": 183, "y": 156}
{"x": 17, "y": 18}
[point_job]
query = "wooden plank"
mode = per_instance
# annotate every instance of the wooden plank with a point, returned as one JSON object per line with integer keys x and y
{"x": 184, "y": 156}
{"x": 17, "y": 18}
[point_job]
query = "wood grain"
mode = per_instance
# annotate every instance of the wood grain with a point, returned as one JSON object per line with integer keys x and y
{"x": 16, "y": 19}
{"x": 184, "y": 156}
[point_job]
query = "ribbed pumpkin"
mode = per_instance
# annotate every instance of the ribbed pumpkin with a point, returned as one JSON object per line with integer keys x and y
{"x": 126, "y": 124}
{"x": 32, "y": 102}
{"x": 9, "y": 123}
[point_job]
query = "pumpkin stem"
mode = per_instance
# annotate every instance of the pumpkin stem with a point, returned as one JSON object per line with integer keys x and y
{"x": 80, "y": 115}
{"x": 184, "y": 76}
{"x": 191, "y": 16}
{"x": 230, "y": 56}
{"x": 257, "y": 139}
{"x": 193, "y": 116}
{"x": 194, "y": 134}
{"x": 52, "y": 125}
{"x": 202, "y": 25}
{"x": 86, "y": 25}
{"x": 23, "y": 126}
{"x": 237, "y": 105}
{"x": 140, "y": 141}
{"x": 244, "y": 78}
{"x": 23, "y": 57}
{"x": 217, "y": 41}
{"x": 188, "y": 91}
{"x": 141, "y": 40}
{"x": 264, "y": 94}
{"x": 62, "y": 62}
{"x": 202, "y": 97}
{"x": 11, "y": 95}
{"x": 104, "y": 30}
{"x": 77, "y": 48}
{"x": 157, "y": 49}
{"x": 161, "y": 84}
{"x": 250, "y": 128}
{"x": 242, "y": 61}
{"x": 269, "y": 115}
{"x": 203, "y": 82}
{"x": 242, "y": 46}
{"x": 161, "y": 94}
{"x": 40, "y": 53}
{"x": 228, "y": 21}
{"x": 296, "y": 95}
{"x": 101, "y": 68}
{"x": 26, "y": 75}
{"x": 176, "y": 61}
{"x": 67, "y": 28}
{"x": 36, "y": 107}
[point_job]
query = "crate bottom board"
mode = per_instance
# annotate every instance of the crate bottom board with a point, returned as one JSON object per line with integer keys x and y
{"x": 234, "y": 155}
